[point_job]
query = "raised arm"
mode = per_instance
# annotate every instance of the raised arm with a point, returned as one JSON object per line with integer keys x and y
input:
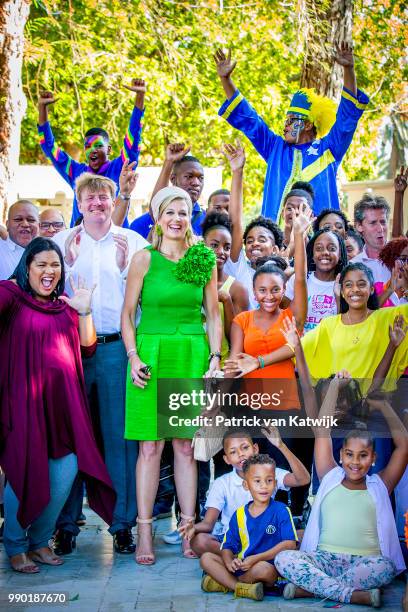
{"x": 236, "y": 157}
{"x": 137, "y": 271}
{"x": 139, "y": 87}
{"x": 299, "y": 476}
{"x": 174, "y": 152}
{"x": 397, "y": 334}
{"x": 225, "y": 67}
{"x": 301, "y": 223}
{"x": 344, "y": 56}
{"x": 81, "y": 301}
{"x": 400, "y": 185}
{"x": 127, "y": 182}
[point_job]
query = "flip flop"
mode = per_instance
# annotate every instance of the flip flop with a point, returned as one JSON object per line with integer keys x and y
{"x": 26, "y": 567}
{"x": 54, "y": 560}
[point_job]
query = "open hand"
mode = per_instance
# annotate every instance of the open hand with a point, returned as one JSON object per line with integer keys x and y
{"x": 122, "y": 251}
{"x": 344, "y": 54}
{"x": 290, "y": 332}
{"x": 397, "y": 331}
{"x": 176, "y": 151}
{"x": 128, "y": 177}
{"x": 302, "y": 219}
{"x": 401, "y": 180}
{"x": 235, "y": 154}
{"x": 225, "y": 66}
{"x": 241, "y": 365}
{"x": 72, "y": 245}
{"x": 187, "y": 530}
{"x": 46, "y": 98}
{"x": 272, "y": 434}
{"x": 81, "y": 296}
{"x": 137, "y": 85}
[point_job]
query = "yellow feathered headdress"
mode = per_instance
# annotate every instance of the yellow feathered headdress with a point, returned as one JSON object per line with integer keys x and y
{"x": 319, "y": 110}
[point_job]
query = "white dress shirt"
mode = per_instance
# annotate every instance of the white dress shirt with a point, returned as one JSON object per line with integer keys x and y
{"x": 10, "y": 255}
{"x": 380, "y": 272}
{"x": 96, "y": 265}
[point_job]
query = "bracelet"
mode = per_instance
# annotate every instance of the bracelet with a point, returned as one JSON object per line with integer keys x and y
{"x": 123, "y": 197}
{"x": 261, "y": 361}
{"x": 130, "y": 353}
{"x": 216, "y": 354}
{"x": 85, "y": 314}
{"x": 292, "y": 348}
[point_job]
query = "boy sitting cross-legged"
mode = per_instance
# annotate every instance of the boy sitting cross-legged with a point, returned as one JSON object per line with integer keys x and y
{"x": 227, "y": 493}
{"x": 257, "y": 532}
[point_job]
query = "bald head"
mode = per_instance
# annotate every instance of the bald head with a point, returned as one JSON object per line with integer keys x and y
{"x": 51, "y": 222}
{"x": 22, "y": 222}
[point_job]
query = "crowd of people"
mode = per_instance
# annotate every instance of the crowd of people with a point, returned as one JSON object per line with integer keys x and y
{"x": 94, "y": 315}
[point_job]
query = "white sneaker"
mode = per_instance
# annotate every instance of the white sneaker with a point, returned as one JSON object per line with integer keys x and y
{"x": 172, "y": 538}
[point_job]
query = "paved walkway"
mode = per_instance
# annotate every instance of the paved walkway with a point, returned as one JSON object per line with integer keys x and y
{"x": 98, "y": 580}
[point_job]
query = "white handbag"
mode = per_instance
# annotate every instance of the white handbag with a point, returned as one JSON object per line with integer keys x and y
{"x": 207, "y": 441}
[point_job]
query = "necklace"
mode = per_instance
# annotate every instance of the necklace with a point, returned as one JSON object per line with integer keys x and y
{"x": 356, "y": 338}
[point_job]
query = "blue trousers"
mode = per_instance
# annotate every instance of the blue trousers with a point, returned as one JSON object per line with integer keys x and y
{"x": 18, "y": 540}
{"x": 105, "y": 379}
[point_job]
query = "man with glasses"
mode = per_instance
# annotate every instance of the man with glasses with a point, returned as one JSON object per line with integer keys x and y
{"x": 314, "y": 139}
{"x": 51, "y": 222}
{"x": 22, "y": 227}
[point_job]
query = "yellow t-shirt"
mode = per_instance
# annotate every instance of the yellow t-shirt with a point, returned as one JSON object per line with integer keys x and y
{"x": 333, "y": 346}
{"x": 349, "y": 523}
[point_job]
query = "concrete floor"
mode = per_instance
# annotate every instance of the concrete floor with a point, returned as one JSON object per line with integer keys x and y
{"x": 96, "y": 579}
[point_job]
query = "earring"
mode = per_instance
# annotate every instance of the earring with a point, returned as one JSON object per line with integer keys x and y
{"x": 340, "y": 461}
{"x": 373, "y": 464}
{"x": 159, "y": 230}
{"x": 188, "y": 234}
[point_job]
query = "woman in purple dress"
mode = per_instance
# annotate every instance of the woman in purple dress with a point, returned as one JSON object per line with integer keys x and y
{"x": 45, "y": 428}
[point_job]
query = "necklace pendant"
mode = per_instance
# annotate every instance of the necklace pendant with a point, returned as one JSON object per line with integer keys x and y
{"x": 356, "y": 340}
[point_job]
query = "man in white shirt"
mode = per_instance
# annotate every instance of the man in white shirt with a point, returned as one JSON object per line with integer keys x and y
{"x": 99, "y": 253}
{"x": 371, "y": 216}
{"x": 22, "y": 226}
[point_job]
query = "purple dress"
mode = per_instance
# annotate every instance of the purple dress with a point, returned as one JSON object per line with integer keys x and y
{"x": 43, "y": 404}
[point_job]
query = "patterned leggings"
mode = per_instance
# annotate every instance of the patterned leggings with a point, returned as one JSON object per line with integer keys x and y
{"x": 334, "y": 575}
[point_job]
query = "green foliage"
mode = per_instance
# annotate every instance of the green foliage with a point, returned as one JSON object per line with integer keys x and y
{"x": 84, "y": 50}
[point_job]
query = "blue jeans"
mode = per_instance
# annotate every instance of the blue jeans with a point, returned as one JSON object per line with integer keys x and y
{"x": 18, "y": 540}
{"x": 105, "y": 379}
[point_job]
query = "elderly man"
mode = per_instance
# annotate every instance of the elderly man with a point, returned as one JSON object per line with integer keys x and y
{"x": 99, "y": 252}
{"x": 51, "y": 222}
{"x": 22, "y": 227}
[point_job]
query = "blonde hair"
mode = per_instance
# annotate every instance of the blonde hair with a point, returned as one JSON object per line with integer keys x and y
{"x": 157, "y": 238}
{"x": 94, "y": 183}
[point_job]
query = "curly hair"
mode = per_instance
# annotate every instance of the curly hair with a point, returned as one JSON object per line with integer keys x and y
{"x": 330, "y": 211}
{"x": 370, "y": 202}
{"x": 261, "y": 459}
{"x": 392, "y": 250}
{"x": 267, "y": 224}
{"x": 311, "y": 266}
{"x": 215, "y": 219}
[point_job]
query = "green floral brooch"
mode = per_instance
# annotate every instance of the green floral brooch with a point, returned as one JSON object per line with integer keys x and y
{"x": 196, "y": 266}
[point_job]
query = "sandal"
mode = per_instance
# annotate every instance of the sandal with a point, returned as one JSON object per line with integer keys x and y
{"x": 46, "y": 556}
{"x": 149, "y": 558}
{"x": 188, "y": 552}
{"x": 25, "y": 566}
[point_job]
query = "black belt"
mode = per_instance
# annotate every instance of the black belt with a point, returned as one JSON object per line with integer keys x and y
{"x": 106, "y": 338}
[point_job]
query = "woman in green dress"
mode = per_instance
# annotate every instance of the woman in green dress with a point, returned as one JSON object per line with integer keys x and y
{"x": 173, "y": 278}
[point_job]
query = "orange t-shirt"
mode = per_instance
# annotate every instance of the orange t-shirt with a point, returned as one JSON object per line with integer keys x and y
{"x": 257, "y": 342}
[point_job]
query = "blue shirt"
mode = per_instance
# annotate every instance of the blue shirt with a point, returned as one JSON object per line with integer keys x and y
{"x": 248, "y": 535}
{"x": 143, "y": 224}
{"x": 316, "y": 162}
{"x": 70, "y": 169}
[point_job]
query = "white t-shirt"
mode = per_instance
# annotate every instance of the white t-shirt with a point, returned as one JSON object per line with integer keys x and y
{"x": 380, "y": 272}
{"x": 321, "y": 301}
{"x": 241, "y": 270}
{"x": 227, "y": 494}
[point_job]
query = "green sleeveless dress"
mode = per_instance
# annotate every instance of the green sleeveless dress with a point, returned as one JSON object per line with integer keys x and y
{"x": 170, "y": 338}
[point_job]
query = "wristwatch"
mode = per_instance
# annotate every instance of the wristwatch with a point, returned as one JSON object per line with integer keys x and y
{"x": 125, "y": 198}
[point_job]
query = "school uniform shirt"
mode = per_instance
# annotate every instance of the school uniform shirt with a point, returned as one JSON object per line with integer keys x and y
{"x": 316, "y": 162}
{"x": 242, "y": 271}
{"x": 321, "y": 301}
{"x": 10, "y": 255}
{"x": 380, "y": 272}
{"x": 70, "y": 169}
{"x": 248, "y": 535}
{"x": 96, "y": 265}
{"x": 143, "y": 224}
{"x": 227, "y": 494}
{"x": 386, "y": 528}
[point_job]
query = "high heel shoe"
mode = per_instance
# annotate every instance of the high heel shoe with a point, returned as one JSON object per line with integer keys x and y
{"x": 149, "y": 558}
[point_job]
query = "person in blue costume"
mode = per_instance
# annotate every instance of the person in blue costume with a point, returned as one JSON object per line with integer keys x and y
{"x": 184, "y": 171}
{"x": 96, "y": 145}
{"x": 314, "y": 138}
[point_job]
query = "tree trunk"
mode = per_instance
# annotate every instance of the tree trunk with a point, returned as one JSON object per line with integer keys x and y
{"x": 13, "y": 17}
{"x": 325, "y": 22}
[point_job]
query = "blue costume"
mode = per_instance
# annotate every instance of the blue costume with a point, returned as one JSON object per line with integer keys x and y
{"x": 316, "y": 162}
{"x": 143, "y": 224}
{"x": 70, "y": 169}
{"x": 248, "y": 535}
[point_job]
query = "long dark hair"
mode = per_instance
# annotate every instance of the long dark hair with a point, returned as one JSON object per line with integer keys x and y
{"x": 311, "y": 266}
{"x": 372, "y": 303}
{"x": 38, "y": 245}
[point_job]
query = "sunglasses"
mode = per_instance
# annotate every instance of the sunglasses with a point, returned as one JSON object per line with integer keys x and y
{"x": 403, "y": 259}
